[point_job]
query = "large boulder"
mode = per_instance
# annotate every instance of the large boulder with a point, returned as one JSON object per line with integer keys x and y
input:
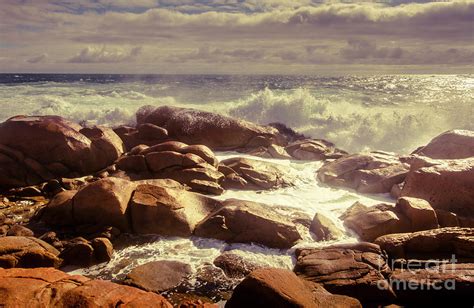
{"x": 245, "y": 221}
{"x": 158, "y": 276}
{"x": 252, "y": 174}
{"x": 39, "y": 148}
{"x": 375, "y": 172}
{"x": 213, "y": 130}
{"x": 454, "y": 144}
{"x": 324, "y": 229}
{"x": 443, "y": 243}
{"x": 104, "y": 202}
{"x": 272, "y": 287}
{"x": 165, "y": 211}
{"x": 408, "y": 215}
{"x": 445, "y": 184}
{"x": 19, "y": 251}
{"x": 356, "y": 270}
{"x": 47, "y": 287}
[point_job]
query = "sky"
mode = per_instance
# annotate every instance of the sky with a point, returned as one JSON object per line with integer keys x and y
{"x": 236, "y": 36}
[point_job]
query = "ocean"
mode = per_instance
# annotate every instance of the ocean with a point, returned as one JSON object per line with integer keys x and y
{"x": 388, "y": 112}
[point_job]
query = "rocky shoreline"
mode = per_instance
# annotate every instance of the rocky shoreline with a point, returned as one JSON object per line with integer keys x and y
{"x": 72, "y": 193}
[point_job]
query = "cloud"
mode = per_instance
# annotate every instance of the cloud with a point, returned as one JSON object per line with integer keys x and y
{"x": 37, "y": 59}
{"x": 102, "y": 55}
{"x": 208, "y": 54}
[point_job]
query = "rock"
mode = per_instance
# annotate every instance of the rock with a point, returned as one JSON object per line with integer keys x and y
{"x": 258, "y": 174}
{"x": 213, "y": 130}
{"x": 446, "y": 184}
{"x": 245, "y": 221}
{"x": 78, "y": 251}
{"x": 47, "y": 287}
{"x": 191, "y": 165}
{"x": 454, "y": 144}
{"x": 103, "y": 249}
{"x": 19, "y": 251}
{"x": 236, "y": 266}
{"x": 19, "y": 230}
{"x": 104, "y": 202}
{"x": 40, "y": 148}
{"x": 324, "y": 229}
{"x": 58, "y": 211}
{"x": 408, "y": 215}
{"x": 132, "y": 163}
{"x": 159, "y": 210}
{"x": 372, "y": 222}
{"x": 272, "y": 287}
{"x": 314, "y": 149}
{"x": 420, "y": 213}
{"x": 443, "y": 242}
{"x": 374, "y": 172}
{"x": 158, "y": 276}
{"x": 447, "y": 219}
{"x": 356, "y": 270}
{"x": 30, "y": 191}
{"x": 145, "y": 134}
{"x": 438, "y": 286}
{"x": 149, "y": 131}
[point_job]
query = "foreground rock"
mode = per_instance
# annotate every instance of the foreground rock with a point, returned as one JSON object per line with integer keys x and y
{"x": 271, "y": 287}
{"x": 356, "y": 270}
{"x": 446, "y": 184}
{"x": 158, "y": 276}
{"x": 454, "y": 144}
{"x": 251, "y": 174}
{"x": 47, "y": 287}
{"x": 375, "y": 172}
{"x": 213, "y": 130}
{"x": 157, "y": 209}
{"x": 438, "y": 243}
{"x": 28, "y": 252}
{"x": 239, "y": 221}
{"x": 36, "y": 149}
{"x": 408, "y": 215}
{"x": 192, "y": 165}
{"x": 440, "y": 285}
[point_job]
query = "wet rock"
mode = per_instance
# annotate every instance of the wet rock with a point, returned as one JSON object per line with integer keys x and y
{"x": 324, "y": 229}
{"x": 30, "y": 191}
{"x": 213, "y": 130}
{"x": 19, "y": 251}
{"x": 273, "y": 287}
{"x": 357, "y": 270}
{"x": 374, "y": 172}
{"x": 40, "y": 148}
{"x": 47, "y": 287}
{"x": 103, "y": 249}
{"x": 236, "y": 266}
{"x": 429, "y": 244}
{"x": 104, "y": 202}
{"x": 158, "y": 276}
{"x": 256, "y": 174}
{"x": 19, "y": 230}
{"x": 454, "y": 144}
{"x": 446, "y": 184}
{"x": 78, "y": 251}
{"x": 314, "y": 149}
{"x": 244, "y": 222}
{"x": 420, "y": 213}
{"x": 159, "y": 210}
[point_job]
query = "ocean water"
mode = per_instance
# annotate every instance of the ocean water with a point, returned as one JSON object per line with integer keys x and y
{"x": 394, "y": 113}
{"x": 388, "y": 112}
